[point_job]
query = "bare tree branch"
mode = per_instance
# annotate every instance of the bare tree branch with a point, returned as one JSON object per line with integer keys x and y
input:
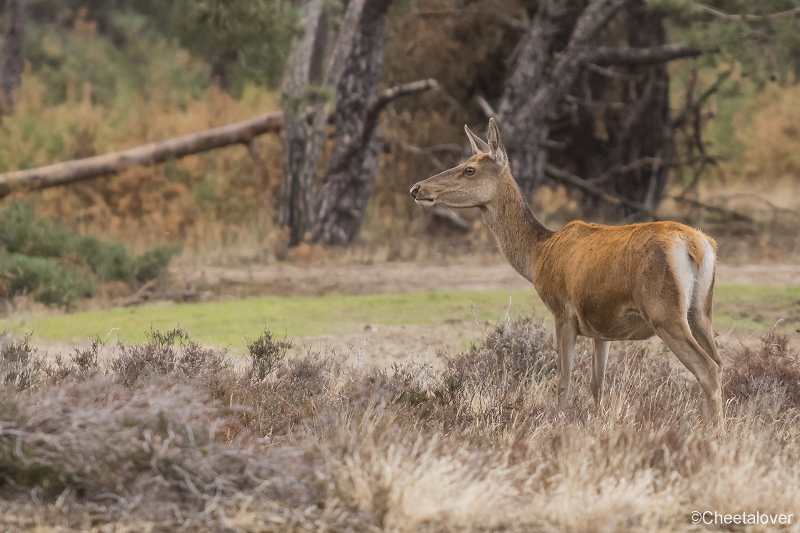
{"x": 611, "y": 55}
{"x": 712, "y": 208}
{"x": 692, "y": 106}
{"x": 608, "y": 73}
{"x": 485, "y": 107}
{"x": 725, "y": 16}
{"x": 574, "y": 181}
{"x": 621, "y": 169}
{"x": 374, "y": 111}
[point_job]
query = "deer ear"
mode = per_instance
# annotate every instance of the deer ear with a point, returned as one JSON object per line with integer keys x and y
{"x": 496, "y": 149}
{"x": 479, "y": 146}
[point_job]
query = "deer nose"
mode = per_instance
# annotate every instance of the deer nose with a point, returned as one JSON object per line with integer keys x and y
{"x": 414, "y": 191}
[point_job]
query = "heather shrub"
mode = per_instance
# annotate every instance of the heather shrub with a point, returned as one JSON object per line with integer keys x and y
{"x": 21, "y": 365}
{"x": 266, "y": 354}
{"x": 172, "y": 433}
{"x": 771, "y": 369}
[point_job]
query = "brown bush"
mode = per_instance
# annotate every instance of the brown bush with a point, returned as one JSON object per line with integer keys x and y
{"x": 773, "y": 369}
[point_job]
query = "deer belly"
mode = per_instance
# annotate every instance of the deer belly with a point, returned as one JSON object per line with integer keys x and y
{"x": 615, "y": 325}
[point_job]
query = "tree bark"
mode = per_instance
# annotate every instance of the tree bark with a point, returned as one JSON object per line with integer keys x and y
{"x": 348, "y": 181}
{"x": 315, "y": 141}
{"x": 12, "y": 61}
{"x": 298, "y": 186}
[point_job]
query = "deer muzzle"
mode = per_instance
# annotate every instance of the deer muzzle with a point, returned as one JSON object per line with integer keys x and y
{"x": 420, "y": 196}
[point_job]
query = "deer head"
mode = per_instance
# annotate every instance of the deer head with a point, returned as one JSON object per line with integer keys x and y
{"x": 473, "y": 183}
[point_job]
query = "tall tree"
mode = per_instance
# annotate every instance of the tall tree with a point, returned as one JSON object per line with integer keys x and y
{"x": 303, "y": 68}
{"x": 616, "y": 130}
{"x": 354, "y": 162}
{"x": 12, "y": 62}
{"x": 354, "y": 72}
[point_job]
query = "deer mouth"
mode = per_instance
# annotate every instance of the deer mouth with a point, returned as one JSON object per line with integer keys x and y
{"x": 425, "y": 202}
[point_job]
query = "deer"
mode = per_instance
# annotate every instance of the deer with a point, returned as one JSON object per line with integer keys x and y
{"x": 607, "y": 283}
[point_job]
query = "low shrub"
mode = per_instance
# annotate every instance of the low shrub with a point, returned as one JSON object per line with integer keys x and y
{"x": 39, "y": 258}
{"x": 771, "y": 369}
{"x": 44, "y": 279}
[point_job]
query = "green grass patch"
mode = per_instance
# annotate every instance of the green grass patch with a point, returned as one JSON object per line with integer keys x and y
{"x": 230, "y": 322}
{"x": 756, "y": 309}
{"x": 741, "y": 308}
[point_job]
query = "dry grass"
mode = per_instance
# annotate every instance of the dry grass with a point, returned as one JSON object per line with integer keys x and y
{"x": 171, "y": 437}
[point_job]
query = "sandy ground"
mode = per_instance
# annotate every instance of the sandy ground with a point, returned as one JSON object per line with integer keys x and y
{"x": 386, "y": 278}
{"x": 381, "y": 345}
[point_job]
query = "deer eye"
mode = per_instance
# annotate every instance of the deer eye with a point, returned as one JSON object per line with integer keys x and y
{"x": 469, "y": 171}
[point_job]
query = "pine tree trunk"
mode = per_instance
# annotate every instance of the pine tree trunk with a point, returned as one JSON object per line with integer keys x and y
{"x": 525, "y": 124}
{"x": 12, "y": 61}
{"x": 298, "y": 183}
{"x": 551, "y": 56}
{"x": 350, "y": 175}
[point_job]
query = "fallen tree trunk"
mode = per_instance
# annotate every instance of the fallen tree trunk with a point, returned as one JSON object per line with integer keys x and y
{"x": 148, "y": 154}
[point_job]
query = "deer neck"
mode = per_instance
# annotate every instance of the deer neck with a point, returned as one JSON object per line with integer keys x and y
{"x": 518, "y": 233}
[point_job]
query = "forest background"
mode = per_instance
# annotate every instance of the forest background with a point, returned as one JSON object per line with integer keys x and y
{"x": 671, "y": 109}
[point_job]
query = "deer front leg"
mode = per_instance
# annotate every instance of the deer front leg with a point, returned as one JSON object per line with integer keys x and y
{"x": 599, "y": 360}
{"x": 566, "y": 335}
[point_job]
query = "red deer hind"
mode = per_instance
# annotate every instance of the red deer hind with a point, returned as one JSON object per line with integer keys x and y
{"x": 605, "y": 282}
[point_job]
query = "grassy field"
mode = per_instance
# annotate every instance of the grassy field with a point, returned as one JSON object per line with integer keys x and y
{"x": 741, "y": 309}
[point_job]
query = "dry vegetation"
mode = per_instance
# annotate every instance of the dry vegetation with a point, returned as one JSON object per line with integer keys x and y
{"x": 169, "y": 436}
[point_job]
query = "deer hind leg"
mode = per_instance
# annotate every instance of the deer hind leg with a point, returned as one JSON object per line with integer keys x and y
{"x": 683, "y": 289}
{"x": 566, "y": 335}
{"x": 599, "y": 360}
{"x": 680, "y": 340}
{"x": 703, "y": 332}
{"x": 700, "y": 313}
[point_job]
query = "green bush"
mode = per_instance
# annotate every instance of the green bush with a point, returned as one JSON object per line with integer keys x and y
{"x": 39, "y": 258}
{"x": 44, "y": 279}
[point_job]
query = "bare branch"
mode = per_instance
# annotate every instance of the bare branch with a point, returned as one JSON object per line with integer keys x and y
{"x": 574, "y": 181}
{"x": 608, "y": 73}
{"x": 712, "y": 208}
{"x": 374, "y": 111}
{"x": 450, "y": 216}
{"x": 692, "y": 106}
{"x": 596, "y": 104}
{"x": 621, "y": 169}
{"x": 611, "y": 55}
{"x": 725, "y": 16}
{"x": 485, "y": 107}
{"x": 426, "y": 153}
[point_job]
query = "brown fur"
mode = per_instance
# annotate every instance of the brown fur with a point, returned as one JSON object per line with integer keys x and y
{"x": 604, "y": 282}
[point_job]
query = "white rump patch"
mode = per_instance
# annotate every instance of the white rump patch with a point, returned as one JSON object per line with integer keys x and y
{"x": 702, "y": 283}
{"x": 694, "y": 283}
{"x": 684, "y": 270}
